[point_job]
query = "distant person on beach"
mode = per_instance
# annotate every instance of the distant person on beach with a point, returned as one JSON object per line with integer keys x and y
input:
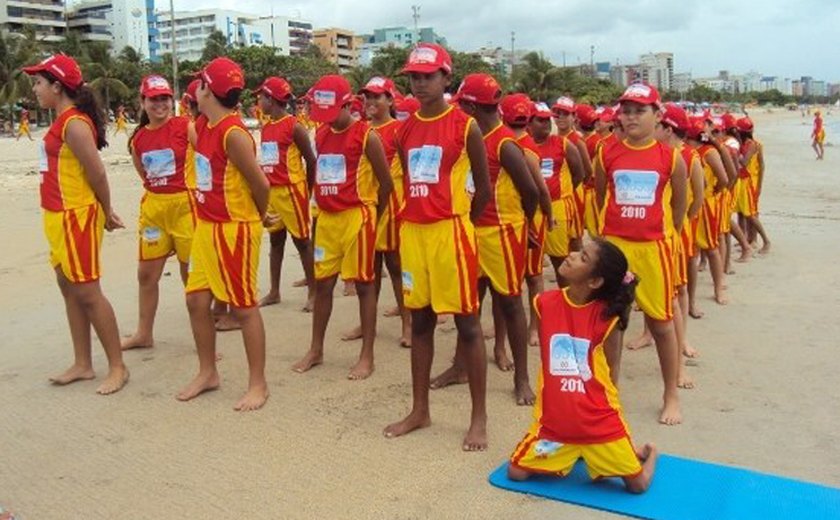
{"x": 23, "y": 126}
{"x": 120, "y": 121}
{"x": 818, "y": 135}
{"x": 578, "y": 413}
{"x": 76, "y": 200}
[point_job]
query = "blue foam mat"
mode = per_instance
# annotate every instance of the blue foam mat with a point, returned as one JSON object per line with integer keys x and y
{"x": 685, "y": 489}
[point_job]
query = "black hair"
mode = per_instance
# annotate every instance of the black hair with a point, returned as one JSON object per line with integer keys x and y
{"x": 679, "y": 132}
{"x": 733, "y": 132}
{"x": 588, "y": 128}
{"x": 745, "y": 136}
{"x": 88, "y": 103}
{"x": 487, "y": 109}
{"x": 231, "y": 99}
{"x": 519, "y": 124}
{"x": 611, "y": 266}
{"x": 144, "y": 120}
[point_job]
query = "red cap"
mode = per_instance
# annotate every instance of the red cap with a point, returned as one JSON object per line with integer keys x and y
{"x": 63, "y": 67}
{"x": 564, "y": 104}
{"x": 222, "y": 75}
{"x": 155, "y": 85}
{"x": 744, "y": 124}
{"x": 379, "y": 85}
{"x": 675, "y": 117}
{"x": 586, "y": 115}
{"x": 642, "y": 93}
{"x": 427, "y": 58}
{"x": 605, "y": 114}
{"x": 275, "y": 88}
{"x": 541, "y": 110}
{"x": 717, "y": 123}
{"x": 728, "y": 121}
{"x": 191, "y": 88}
{"x": 328, "y": 96}
{"x": 696, "y": 126}
{"x": 357, "y": 107}
{"x": 405, "y": 107}
{"x": 479, "y": 88}
{"x": 516, "y": 108}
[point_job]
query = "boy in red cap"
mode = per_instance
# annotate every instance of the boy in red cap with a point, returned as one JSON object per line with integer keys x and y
{"x": 750, "y": 180}
{"x": 501, "y": 231}
{"x": 438, "y": 146}
{"x": 288, "y": 162}
{"x": 731, "y": 154}
{"x": 641, "y": 187}
{"x": 587, "y": 118}
{"x": 562, "y": 165}
{"x": 231, "y": 198}
{"x": 563, "y": 112}
{"x": 351, "y": 189}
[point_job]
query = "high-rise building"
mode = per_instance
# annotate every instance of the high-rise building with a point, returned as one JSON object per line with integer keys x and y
{"x": 682, "y": 82}
{"x": 122, "y": 23}
{"x": 660, "y": 69}
{"x": 338, "y": 46}
{"x": 394, "y": 37}
{"x": 45, "y": 16}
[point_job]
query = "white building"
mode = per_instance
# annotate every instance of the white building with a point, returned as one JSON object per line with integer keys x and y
{"x": 45, "y": 16}
{"x": 286, "y": 35}
{"x": 681, "y": 82}
{"x": 660, "y": 69}
{"x": 123, "y": 23}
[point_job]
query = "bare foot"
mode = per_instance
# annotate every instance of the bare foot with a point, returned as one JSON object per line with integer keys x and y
{"x": 414, "y": 421}
{"x": 442, "y": 318}
{"x": 489, "y": 333}
{"x": 392, "y": 312}
{"x": 116, "y": 379}
{"x": 451, "y": 376}
{"x": 200, "y": 384}
{"x": 270, "y": 299}
{"x": 310, "y": 304}
{"x": 721, "y": 298}
{"x": 405, "y": 341}
{"x": 524, "y": 395}
{"x": 254, "y": 399}
{"x": 353, "y": 334}
{"x": 729, "y": 271}
{"x": 745, "y": 256}
{"x": 227, "y": 322}
{"x": 136, "y": 341}
{"x": 765, "y": 249}
{"x": 476, "y": 437}
{"x": 671, "y": 414}
{"x": 73, "y": 374}
{"x": 534, "y": 339}
{"x": 690, "y": 352}
{"x": 502, "y": 361}
{"x": 645, "y": 452}
{"x": 362, "y": 370}
{"x": 685, "y": 382}
{"x": 701, "y": 267}
{"x": 299, "y": 283}
{"x": 695, "y": 313}
{"x": 349, "y": 289}
{"x": 310, "y": 360}
{"x": 645, "y": 340}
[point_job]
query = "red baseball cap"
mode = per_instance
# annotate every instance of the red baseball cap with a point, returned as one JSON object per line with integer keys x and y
{"x": 155, "y": 85}
{"x": 405, "y": 107}
{"x": 696, "y": 126}
{"x": 564, "y": 104}
{"x": 586, "y": 114}
{"x": 222, "y": 75}
{"x": 642, "y": 93}
{"x": 541, "y": 110}
{"x": 275, "y": 87}
{"x": 379, "y": 85}
{"x": 605, "y": 114}
{"x": 516, "y": 108}
{"x": 479, "y": 88}
{"x": 744, "y": 124}
{"x": 675, "y": 117}
{"x": 728, "y": 121}
{"x": 62, "y": 67}
{"x": 328, "y": 96}
{"x": 191, "y": 88}
{"x": 427, "y": 58}
{"x": 357, "y": 106}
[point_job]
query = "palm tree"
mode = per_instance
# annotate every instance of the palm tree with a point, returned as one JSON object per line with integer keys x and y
{"x": 15, "y": 53}
{"x": 102, "y": 71}
{"x": 538, "y": 77}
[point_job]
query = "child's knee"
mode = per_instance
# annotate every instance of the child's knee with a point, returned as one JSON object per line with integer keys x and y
{"x": 515, "y": 473}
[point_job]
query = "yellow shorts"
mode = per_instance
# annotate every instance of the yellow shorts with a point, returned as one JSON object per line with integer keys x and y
{"x": 534, "y": 255}
{"x": 166, "y": 226}
{"x": 557, "y": 240}
{"x": 680, "y": 261}
{"x": 23, "y": 129}
{"x": 225, "y": 260}
{"x": 610, "y": 459}
{"x": 590, "y": 211}
{"x": 75, "y": 239}
{"x": 344, "y": 244}
{"x": 576, "y": 230}
{"x": 653, "y": 263}
{"x": 820, "y": 137}
{"x": 708, "y": 229}
{"x": 501, "y": 256}
{"x": 440, "y": 266}
{"x": 388, "y": 231}
{"x": 291, "y": 204}
{"x": 745, "y": 198}
{"x": 727, "y": 206}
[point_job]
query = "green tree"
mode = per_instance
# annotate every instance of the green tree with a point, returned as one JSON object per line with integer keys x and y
{"x": 15, "y": 53}
{"x": 101, "y": 71}
{"x": 464, "y": 63}
{"x": 539, "y": 78}
{"x": 215, "y": 46}
{"x": 700, "y": 93}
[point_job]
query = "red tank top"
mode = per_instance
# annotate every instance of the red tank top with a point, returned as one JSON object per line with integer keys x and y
{"x": 434, "y": 150}
{"x": 577, "y": 402}
{"x": 280, "y": 158}
{"x": 505, "y": 206}
{"x": 388, "y": 136}
{"x": 552, "y": 160}
{"x": 638, "y": 201}
{"x": 222, "y": 195}
{"x": 344, "y": 178}
{"x": 162, "y": 152}
{"x": 64, "y": 184}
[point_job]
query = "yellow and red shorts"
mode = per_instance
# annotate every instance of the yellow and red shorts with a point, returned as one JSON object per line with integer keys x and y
{"x": 75, "y": 239}
{"x": 726, "y": 201}
{"x": 501, "y": 256}
{"x": 388, "y": 230}
{"x": 225, "y": 260}
{"x": 534, "y": 255}
{"x": 23, "y": 128}
{"x": 344, "y": 244}
{"x": 680, "y": 261}
{"x": 291, "y": 204}
{"x": 819, "y": 138}
{"x": 708, "y": 229}
{"x": 557, "y": 240}
{"x": 746, "y": 199}
{"x": 166, "y": 225}
{"x": 653, "y": 263}
{"x": 590, "y": 211}
{"x": 440, "y": 265}
{"x": 576, "y": 230}
{"x": 609, "y": 459}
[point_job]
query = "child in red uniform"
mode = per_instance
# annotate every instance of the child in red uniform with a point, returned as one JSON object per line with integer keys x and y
{"x": 818, "y": 135}
{"x": 578, "y": 414}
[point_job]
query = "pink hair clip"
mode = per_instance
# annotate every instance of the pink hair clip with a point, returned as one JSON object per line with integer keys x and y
{"x": 628, "y": 278}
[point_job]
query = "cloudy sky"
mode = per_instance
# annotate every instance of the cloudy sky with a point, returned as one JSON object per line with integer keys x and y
{"x": 789, "y": 38}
